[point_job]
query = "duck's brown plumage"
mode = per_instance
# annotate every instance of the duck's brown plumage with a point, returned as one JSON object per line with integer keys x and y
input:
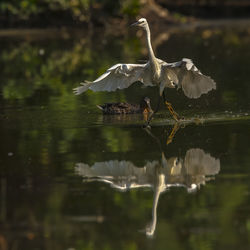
{"x": 126, "y": 108}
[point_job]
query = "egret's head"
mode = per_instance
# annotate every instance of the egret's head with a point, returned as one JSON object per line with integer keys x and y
{"x": 142, "y": 22}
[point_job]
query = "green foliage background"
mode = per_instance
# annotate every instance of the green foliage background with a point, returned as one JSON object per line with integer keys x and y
{"x": 78, "y": 9}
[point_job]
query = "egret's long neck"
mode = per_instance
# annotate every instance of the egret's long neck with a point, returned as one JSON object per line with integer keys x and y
{"x": 152, "y": 226}
{"x": 150, "y": 50}
{"x": 154, "y": 210}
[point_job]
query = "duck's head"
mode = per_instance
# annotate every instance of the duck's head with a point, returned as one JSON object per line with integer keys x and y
{"x": 145, "y": 105}
{"x": 142, "y": 22}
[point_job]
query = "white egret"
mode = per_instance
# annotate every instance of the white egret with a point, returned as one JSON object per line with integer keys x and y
{"x": 155, "y": 72}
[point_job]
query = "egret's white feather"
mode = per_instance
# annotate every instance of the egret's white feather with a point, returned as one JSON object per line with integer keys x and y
{"x": 119, "y": 76}
{"x": 155, "y": 72}
{"x": 190, "y": 79}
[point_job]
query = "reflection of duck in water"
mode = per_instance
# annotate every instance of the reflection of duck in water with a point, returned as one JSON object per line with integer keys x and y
{"x": 126, "y": 108}
{"x": 189, "y": 172}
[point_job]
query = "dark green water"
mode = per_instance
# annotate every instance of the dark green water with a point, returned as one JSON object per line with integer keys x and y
{"x": 71, "y": 178}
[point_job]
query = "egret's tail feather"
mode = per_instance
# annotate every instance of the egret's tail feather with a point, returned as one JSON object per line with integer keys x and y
{"x": 81, "y": 89}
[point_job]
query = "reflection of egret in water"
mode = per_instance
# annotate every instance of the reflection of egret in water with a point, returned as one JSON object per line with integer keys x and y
{"x": 195, "y": 169}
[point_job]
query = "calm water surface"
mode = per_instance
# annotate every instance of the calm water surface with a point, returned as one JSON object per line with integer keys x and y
{"x": 71, "y": 178}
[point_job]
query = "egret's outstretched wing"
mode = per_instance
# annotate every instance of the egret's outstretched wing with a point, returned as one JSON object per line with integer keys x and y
{"x": 123, "y": 175}
{"x": 190, "y": 79}
{"x": 119, "y": 76}
{"x": 197, "y": 162}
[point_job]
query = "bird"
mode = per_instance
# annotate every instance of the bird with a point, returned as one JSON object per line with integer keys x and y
{"x": 126, "y": 108}
{"x": 155, "y": 72}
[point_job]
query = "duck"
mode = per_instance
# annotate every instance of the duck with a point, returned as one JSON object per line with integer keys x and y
{"x": 119, "y": 108}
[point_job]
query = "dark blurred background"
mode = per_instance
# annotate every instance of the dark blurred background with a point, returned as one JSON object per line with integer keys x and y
{"x": 44, "y": 13}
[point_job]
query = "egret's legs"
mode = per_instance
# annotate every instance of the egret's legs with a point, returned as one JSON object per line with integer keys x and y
{"x": 170, "y": 138}
{"x": 154, "y": 137}
{"x": 170, "y": 108}
{"x": 154, "y": 112}
{"x": 172, "y": 133}
{"x": 158, "y": 105}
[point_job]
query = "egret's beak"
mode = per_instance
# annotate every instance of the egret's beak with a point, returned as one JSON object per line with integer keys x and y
{"x": 134, "y": 24}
